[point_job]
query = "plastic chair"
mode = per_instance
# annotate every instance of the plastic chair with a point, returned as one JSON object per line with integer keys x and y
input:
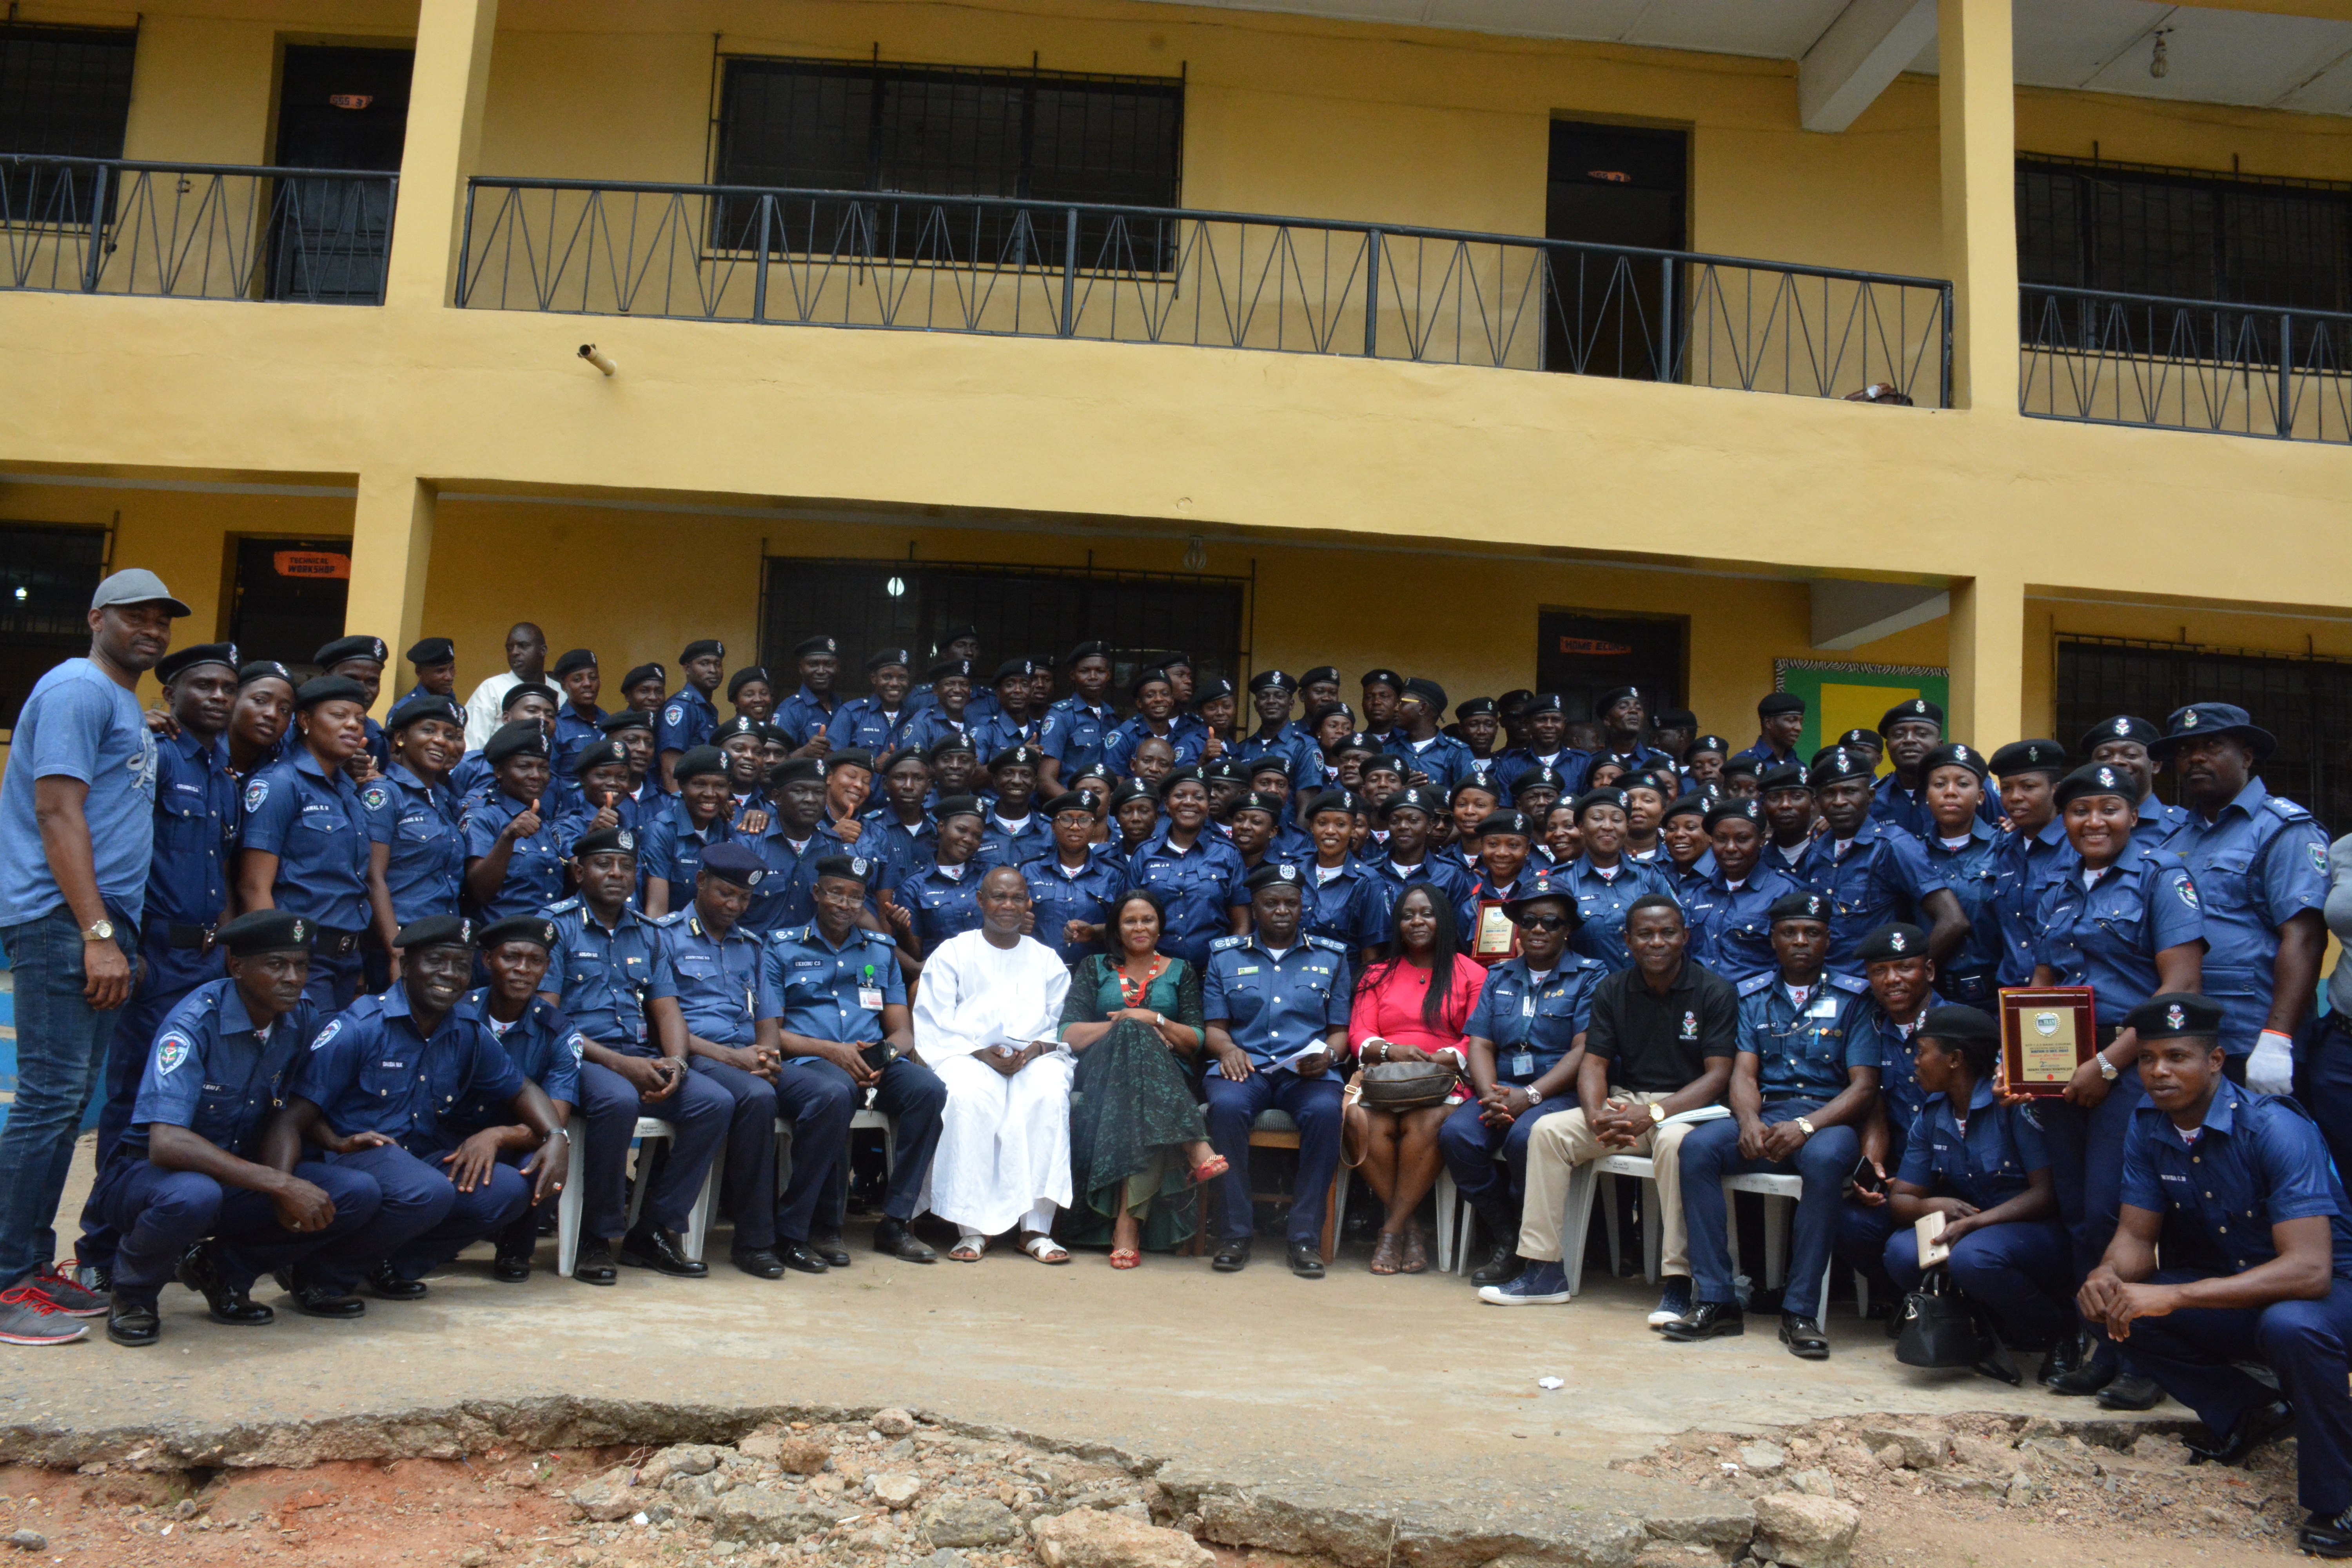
{"x": 573, "y": 1204}
{"x": 1583, "y": 1184}
{"x": 866, "y": 1118}
{"x": 1780, "y": 1195}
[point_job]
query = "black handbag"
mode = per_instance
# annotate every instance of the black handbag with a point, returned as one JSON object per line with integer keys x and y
{"x": 1941, "y": 1327}
{"x": 1405, "y": 1086}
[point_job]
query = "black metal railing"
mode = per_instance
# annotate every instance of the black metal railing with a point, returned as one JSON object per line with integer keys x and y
{"x": 969, "y": 264}
{"x": 2186, "y": 364}
{"x": 194, "y": 231}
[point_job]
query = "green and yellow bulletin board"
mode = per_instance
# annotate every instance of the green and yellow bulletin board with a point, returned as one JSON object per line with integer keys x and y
{"x": 1842, "y": 697}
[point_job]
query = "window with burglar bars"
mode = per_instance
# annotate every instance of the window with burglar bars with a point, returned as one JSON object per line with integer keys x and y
{"x": 1021, "y": 612}
{"x": 1041, "y": 136}
{"x": 2305, "y": 700}
{"x": 64, "y": 92}
{"x": 47, "y": 577}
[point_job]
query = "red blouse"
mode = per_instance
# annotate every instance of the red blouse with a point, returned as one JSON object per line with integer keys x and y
{"x": 1389, "y": 1006}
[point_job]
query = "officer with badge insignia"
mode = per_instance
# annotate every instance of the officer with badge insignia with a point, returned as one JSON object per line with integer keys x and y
{"x": 1805, "y": 1079}
{"x": 2032, "y": 851}
{"x": 1547, "y": 723}
{"x": 669, "y": 851}
{"x": 1190, "y": 867}
{"x": 435, "y": 661}
{"x": 1408, "y": 816}
{"x": 1730, "y": 908}
{"x": 877, "y": 722}
{"x": 1871, "y": 871}
{"x": 475, "y": 778}
{"x": 1013, "y": 833}
{"x": 578, "y": 721}
{"x": 1343, "y": 901}
{"x": 1272, "y": 694}
{"x": 688, "y": 718}
{"x": 1479, "y": 725}
{"x": 1623, "y": 714}
{"x": 1154, "y": 694}
{"x": 898, "y": 832}
{"x": 515, "y": 845}
{"x": 543, "y": 1045}
{"x": 1965, "y": 851}
{"x": 1012, "y": 725}
{"x": 949, "y": 715}
{"x": 796, "y": 836}
{"x": 804, "y": 716}
{"x": 600, "y": 794}
{"x": 642, "y": 690}
{"x": 1276, "y": 1004}
{"x": 362, "y": 660}
{"x": 197, "y": 1187}
{"x": 750, "y": 695}
{"x": 303, "y": 845}
{"x": 415, "y": 828}
{"x": 2124, "y": 741}
{"x": 1439, "y": 760}
{"x": 1780, "y": 719}
{"x": 942, "y": 900}
{"x": 1071, "y": 733}
{"x": 1071, "y": 889}
{"x": 1903, "y": 980}
{"x": 1604, "y": 882}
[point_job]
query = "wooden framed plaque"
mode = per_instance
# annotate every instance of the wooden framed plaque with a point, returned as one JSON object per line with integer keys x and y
{"x": 1496, "y": 937}
{"x": 2045, "y": 1034}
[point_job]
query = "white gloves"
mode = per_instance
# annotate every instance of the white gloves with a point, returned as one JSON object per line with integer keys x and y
{"x": 2271, "y": 1068}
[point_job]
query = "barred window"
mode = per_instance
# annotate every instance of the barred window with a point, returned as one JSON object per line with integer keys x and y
{"x": 65, "y": 91}
{"x": 47, "y": 577}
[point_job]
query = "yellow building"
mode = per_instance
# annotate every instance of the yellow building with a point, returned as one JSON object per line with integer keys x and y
{"x": 1333, "y": 330}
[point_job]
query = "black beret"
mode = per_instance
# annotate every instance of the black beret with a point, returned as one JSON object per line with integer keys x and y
{"x": 1272, "y": 763}
{"x": 745, "y": 676}
{"x": 741, "y": 726}
{"x": 1415, "y": 799}
{"x": 341, "y": 648}
{"x": 1676, "y": 719}
{"x": 2175, "y": 1016}
{"x": 643, "y": 673}
{"x": 956, "y": 806}
{"x": 1176, "y": 658}
{"x": 523, "y": 688}
{"x": 263, "y": 670}
{"x": 1773, "y": 702}
{"x": 436, "y": 930}
{"x": 947, "y": 743}
{"x": 1607, "y": 794}
{"x": 523, "y": 738}
{"x": 855, "y": 869}
{"x": 1131, "y": 790}
{"x": 797, "y": 770}
{"x": 1321, "y": 675}
{"x": 1543, "y": 775}
{"x": 534, "y": 928}
{"x": 2031, "y": 757}
{"x": 1542, "y": 702}
{"x": 1686, "y": 805}
{"x": 708, "y": 648}
{"x": 1897, "y": 940}
{"x": 426, "y": 652}
{"x": 1083, "y": 800}
{"x": 1258, "y": 800}
{"x": 1428, "y": 691}
{"x": 1015, "y": 669}
{"x": 1916, "y": 709}
{"x": 1388, "y": 678}
{"x": 1724, "y": 810}
{"x": 941, "y": 669}
{"x": 416, "y": 710}
{"x": 1144, "y": 678}
{"x": 1207, "y": 691}
{"x": 818, "y": 643}
{"x": 1021, "y": 756}
{"x": 1953, "y": 754}
{"x": 737, "y": 863}
{"x": 2098, "y": 778}
{"x": 702, "y": 760}
{"x": 265, "y": 931}
{"x": 1357, "y": 740}
{"x": 892, "y": 758}
{"x": 598, "y": 754}
{"x": 1715, "y": 743}
{"x": 1861, "y": 740}
{"x": 1273, "y": 874}
{"x": 1613, "y": 696}
{"x": 1504, "y": 821}
{"x": 1180, "y": 776}
{"x": 1477, "y": 779}
{"x": 847, "y": 757}
{"x": 573, "y": 658}
{"x": 1801, "y": 905}
{"x": 1224, "y": 770}
{"x": 883, "y": 658}
{"x": 1782, "y": 775}
{"x": 958, "y": 634}
{"x": 329, "y": 688}
{"x": 1751, "y": 766}
{"x": 1515, "y": 699}
{"x": 1839, "y": 764}
{"x": 1469, "y": 706}
{"x": 1272, "y": 681}
{"x": 1090, "y": 648}
{"x": 2123, "y": 727}
{"x": 1957, "y": 1024}
{"x": 606, "y": 841}
{"x": 170, "y": 667}
{"x": 1384, "y": 761}
{"x": 626, "y": 719}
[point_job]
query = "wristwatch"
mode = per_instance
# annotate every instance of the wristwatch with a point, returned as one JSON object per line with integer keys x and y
{"x": 1535, "y": 1095}
{"x": 2108, "y": 1069}
{"x": 101, "y": 929}
{"x": 1805, "y": 1126}
{"x": 1657, "y": 1112}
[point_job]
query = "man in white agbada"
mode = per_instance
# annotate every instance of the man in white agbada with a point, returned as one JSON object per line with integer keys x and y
{"x": 526, "y": 664}
{"x": 985, "y": 1013}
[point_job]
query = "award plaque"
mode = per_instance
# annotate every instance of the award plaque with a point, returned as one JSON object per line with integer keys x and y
{"x": 1497, "y": 938}
{"x": 2045, "y": 1034}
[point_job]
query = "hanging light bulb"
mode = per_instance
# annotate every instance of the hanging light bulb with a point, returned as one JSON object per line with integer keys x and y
{"x": 896, "y": 587}
{"x": 2159, "y": 64}
{"x": 1196, "y": 555}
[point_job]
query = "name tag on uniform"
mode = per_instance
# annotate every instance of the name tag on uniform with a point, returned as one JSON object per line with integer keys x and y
{"x": 870, "y": 998}
{"x": 1523, "y": 1064}
{"x": 1825, "y": 1008}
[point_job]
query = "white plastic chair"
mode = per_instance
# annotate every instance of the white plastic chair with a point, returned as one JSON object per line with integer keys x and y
{"x": 573, "y": 1203}
{"x": 1583, "y": 1184}
{"x": 864, "y": 1118}
{"x": 1780, "y": 1195}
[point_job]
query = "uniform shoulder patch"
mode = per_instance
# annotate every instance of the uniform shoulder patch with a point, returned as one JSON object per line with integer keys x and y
{"x": 1853, "y": 983}
{"x": 670, "y": 919}
{"x": 375, "y": 797}
{"x": 1755, "y": 982}
{"x": 334, "y": 1026}
{"x": 674, "y": 714}
{"x": 1326, "y": 943}
{"x": 171, "y": 1049}
{"x": 579, "y": 1043}
{"x": 1227, "y": 943}
{"x": 563, "y": 907}
{"x": 255, "y": 793}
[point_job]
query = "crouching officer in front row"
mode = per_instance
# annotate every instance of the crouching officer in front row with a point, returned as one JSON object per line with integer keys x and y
{"x": 545, "y": 1048}
{"x": 2257, "y": 1261}
{"x": 204, "y": 1185}
{"x": 373, "y": 1093}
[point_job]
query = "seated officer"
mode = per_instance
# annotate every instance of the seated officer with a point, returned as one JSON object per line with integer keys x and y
{"x": 2257, "y": 1259}
{"x": 1524, "y": 1041}
{"x": 1275, "y": 1002}
{"x": 545, "y": 1048}
{"x": 717, "y": 965}
{"x": 197, "y": 1160}
{"x": 373, "y": 1092}
{"x": 833, "y": 1008}
{"x": 1806, "y": 1077}
{"x": 1982, "y": 1166}
{"x": 609, "y": 973}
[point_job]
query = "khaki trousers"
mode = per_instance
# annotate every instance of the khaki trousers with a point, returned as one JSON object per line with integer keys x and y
{"x": 1561, "y": 1143}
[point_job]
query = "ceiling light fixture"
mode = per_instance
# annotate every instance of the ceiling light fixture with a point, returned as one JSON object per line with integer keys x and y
{"x": 2159, "y": 64}
{"x": 1196, "y": 555}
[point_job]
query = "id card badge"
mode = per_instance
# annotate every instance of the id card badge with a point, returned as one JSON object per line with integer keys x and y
{"x": 870, "y": 998}
{"x": 1826, "y": 1007}
{"x": 1523, "y": 1064}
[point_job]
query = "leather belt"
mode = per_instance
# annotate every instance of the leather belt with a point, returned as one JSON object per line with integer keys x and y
{"x": 174, "y": 935}
{"x": 336, "y": 943}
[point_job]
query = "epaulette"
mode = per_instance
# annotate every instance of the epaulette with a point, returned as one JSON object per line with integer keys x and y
{"x": 790, "y": 933}
{"x": 670, "y": 919}
{"x": 1326, "y": 943}
{"x": 563, "y": 907}
{"x": 1227, "y": 943}
{"x": 1851, "y": 983}
{"x": 2286, "y": 810}
{"x": 1755, "y": 982}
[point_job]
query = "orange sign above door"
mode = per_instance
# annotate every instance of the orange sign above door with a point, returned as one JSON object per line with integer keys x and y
{"x": 322, "y": 564}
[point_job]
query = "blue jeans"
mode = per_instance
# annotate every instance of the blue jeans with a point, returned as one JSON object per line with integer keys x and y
{"x": 1711, "y": 1152}
{"x": 61, "y": 1045}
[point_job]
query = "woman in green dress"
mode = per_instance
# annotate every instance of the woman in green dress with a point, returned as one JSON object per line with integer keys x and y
{"x": 1138, "y": 1140}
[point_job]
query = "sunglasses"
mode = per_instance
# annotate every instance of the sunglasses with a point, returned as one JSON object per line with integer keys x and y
{"x": 1542, "y": 922}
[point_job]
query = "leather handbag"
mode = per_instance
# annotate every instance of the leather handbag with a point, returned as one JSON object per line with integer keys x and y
{"x": 1941, "y": 1327}
{"x": 1405, "y": 1086}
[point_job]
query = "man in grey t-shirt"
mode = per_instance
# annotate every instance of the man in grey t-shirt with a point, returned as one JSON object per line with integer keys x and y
{"x": 76, "y": 831}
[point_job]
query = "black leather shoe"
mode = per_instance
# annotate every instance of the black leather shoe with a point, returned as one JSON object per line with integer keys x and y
{"x": 2062, "y": 1360}
{"x": 2325, "y": 1537}
{"x": 594, "y": 1265}
{"x": 2130, "y": 1391}
{"x": 651, "y": 1247}
{"x": 1503, "y": 1265}
{"x": 2096, "y": 1370}
{"x": 1804, "y": 1337}
{"x": 829, "y": 1248}
{"x": 1707, "y": 1320}
{"x": 801, "y": 1259}
{"x": 321, "y": 1300}
{"x": 2257, "y": 1427}
{"x": 1232, "y": 1256}
{"x": 97, "y": 1277}
{"x": 389, "y": 1285}
{"x": 133, "y": 1323}
{"x": 1305, "y": 1260}
{"x": 510, "y": 1268}
{"x": 758, "y": 1262}
{"x": 893, "y": 1238}
{"x": 200, "y": 1271}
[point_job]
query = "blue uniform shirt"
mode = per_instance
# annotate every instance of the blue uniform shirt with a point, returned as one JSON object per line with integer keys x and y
{"x": 1898, "y": 1077}
{"x": 1731, "y": 929}
{"x": 1519, "y": 761}
{"x": 1973, "y": 873}
{"x": 901, "y": 850}
{"x": 1602, "y": 903}
{"x": 787, "y": 894}
{"x": 944, "y": 902}
{"x": 1443, "y": 871}
{"x": 1806, "y": 1052}
{"x": 208, "y": 1072}
{"x": 195, "y": 827}
{"x": 1119, "y": 743}
{"x": 1275, "y": 1008}
{"x": 1446, "y": 760}
{"x": 1534, "y": 1024}
{"x": 999, "y": 733}
{"x": 313, "y": 824}
{"x": 535, "y": 865}
{"x": 1193, "y": 883}
{"x": 803, "y": 715}
{"x": 2107, "y": 937}
{"x": 574, "y": 731}
{"x": 1003, "y": 846}
{"x": 373, "y": 1070}
{"x": 1881, "y": 878}
{"x": 1072, "y": 733}
{"x": 1987, "y": 1165}
{"x": 686, "y": 721}
{"x": 603, "y": 978}
{"x": 1345, "y": 903}
{"x": 861, "y": 722}
{"x": 543, "y": 1046}
{"x": 1289, "y": 743}
{"x": 829, "y": 993}
{"x": 932, "y": 725}
{"x": 1765, "y": 756}
{"x": 1061, "y": 895}
{"x": 2256, "y": 1162}
{"x": 1907, "y": 808}
{"x": 2025, "y": 865}
{"x": 717, "y": 976}
{"x": 2258, "y": 864}
{"x": 670, "y": 849}
{"x": 424, "y": 831}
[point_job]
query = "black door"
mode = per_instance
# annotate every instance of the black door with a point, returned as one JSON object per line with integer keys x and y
{"x": 1582, "y": 656}
{"x": 288, "y": 600}
{"x": 1612, "y": 185}
{"x": 338, "y": 108}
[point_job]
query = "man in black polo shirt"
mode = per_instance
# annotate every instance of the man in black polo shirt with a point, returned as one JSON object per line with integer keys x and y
{"x": 1661, "y": 1042}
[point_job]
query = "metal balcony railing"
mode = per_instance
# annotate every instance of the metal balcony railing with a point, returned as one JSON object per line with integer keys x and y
{"x": 2186, "y": 364}
{"x": 194, "y": 231}
{"x": 983, "y": 265}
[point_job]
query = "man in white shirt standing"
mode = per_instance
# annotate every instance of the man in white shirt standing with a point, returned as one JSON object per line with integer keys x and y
{"x": 526, "y": 662}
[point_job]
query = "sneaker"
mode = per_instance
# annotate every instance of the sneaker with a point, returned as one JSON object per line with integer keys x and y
{"x": 1673, "y": 1301}
{"x": 66, "y": 1294}
{"x": 29, "y": 1318}
{"x": 1543, "y": 1285}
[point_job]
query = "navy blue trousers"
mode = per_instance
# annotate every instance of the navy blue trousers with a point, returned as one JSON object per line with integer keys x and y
{"x": 1864, "y": 1228}
{"x": 334, "y": 983}
{"x": 2307, "y": 1343}
{"x": 915, "y": 1100}
{"x": 160, "y": 1213}
{"x": 425, "y": 1221}
{"x": 819, "y": 1105}
{"x": 1711, "y": 1152}
{"x": 170, "y": 974}
{"x": 2023, "y": 1272}
{"x": 1469, "y": 1146}
{"x": 607, "y": 1120}
{"x": 1314, "y": 1104}
{"x": 747, "y": 1187}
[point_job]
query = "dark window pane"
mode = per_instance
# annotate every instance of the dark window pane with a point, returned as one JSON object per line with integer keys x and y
{"x": 47, "y": 577}
{"x": 65, "y": 91}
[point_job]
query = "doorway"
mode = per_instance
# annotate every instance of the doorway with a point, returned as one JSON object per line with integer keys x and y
{"x": 337, "y": 109}
{"x": 1581, "y": 654}
{"x": 286, "y": 596}
{"x": 1622, "y": 186}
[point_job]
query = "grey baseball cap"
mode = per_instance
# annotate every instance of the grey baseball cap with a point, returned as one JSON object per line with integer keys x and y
{"x": 137, "y": 586}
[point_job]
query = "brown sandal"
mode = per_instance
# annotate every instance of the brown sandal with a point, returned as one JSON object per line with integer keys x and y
{"x": 1387, "y": 1253}
{"x": 1416, "y": 1253}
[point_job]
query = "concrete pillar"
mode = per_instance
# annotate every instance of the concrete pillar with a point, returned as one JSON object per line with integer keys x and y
{"x": 445, "y": 97}
{"x": 391, "y": 536}
{"x": 1979, "y": 140}
{"x": 1987, "y": 654}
